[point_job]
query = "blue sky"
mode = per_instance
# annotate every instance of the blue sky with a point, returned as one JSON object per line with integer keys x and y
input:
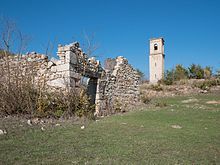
{"x": 191, "y": 28}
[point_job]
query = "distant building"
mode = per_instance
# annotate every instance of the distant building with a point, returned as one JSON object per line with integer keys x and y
{"x": 156, "y": 59}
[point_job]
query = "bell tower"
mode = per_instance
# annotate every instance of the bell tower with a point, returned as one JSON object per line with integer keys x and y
{"x": 156, "y": 59}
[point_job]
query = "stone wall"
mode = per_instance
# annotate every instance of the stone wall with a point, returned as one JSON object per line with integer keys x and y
{"x": 118, "y": 89}
{"x": 67, "y": 71}
{"x": 113, "y": 89}
{"x": 73, "y": 64}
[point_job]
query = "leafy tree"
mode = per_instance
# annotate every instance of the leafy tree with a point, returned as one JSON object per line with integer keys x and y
{"x": 207, "y": 72}
{"x": 218, "y": 73}
{"x": 196, "y": 71}
{"x": 169, "y": 77}
{"x": 180, "y": 72}
{"x": 141, "y": 74}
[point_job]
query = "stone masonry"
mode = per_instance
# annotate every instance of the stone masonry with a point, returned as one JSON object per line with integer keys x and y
{"x": 112, "y": 89}
{"x": 156, "y": 60}
{"x": 118, "y": 89}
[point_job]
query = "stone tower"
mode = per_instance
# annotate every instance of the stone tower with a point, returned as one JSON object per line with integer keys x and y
{"x": 156, "y": 59}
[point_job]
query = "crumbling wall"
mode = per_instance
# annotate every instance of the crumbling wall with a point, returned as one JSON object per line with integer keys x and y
{"x": 118, "y": 90}
{"x": 56, "y": 74}
{"x": 23, "y": 67}
{"x": 73, "y": 64}
{"x": 113, "y": 89}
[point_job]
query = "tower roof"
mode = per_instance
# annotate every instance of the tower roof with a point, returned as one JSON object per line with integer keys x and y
{"x": 157, "y": 38}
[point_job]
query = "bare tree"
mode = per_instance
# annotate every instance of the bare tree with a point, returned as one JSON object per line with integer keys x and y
{"x": 7, "y": 33}
{"x": 23, "y": 41}
{"x": 14, "y": 81}
{"x": 90, "y": 46}
{"x": 12, "y": 40}
{"x": 88, "y": 43}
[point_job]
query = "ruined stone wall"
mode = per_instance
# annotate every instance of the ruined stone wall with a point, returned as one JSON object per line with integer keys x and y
{"x": 72, "y": 65}
{"x": 53, "y": 74}
{"x": 23, "y": 68}
{"x": 118, "y": 90}
{"x": 114, "y": 89}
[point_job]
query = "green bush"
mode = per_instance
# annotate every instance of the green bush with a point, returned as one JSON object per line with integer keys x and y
{"x": 207, "y": 72}
{"x": 145, "y": 99}
{"x": 160, "y": 104}
{"x": 180, "y": 73}
{"x": 156, "y": 87}
{"x": 205, "y": 85}
{"x": 168, "y": 78}
{"x": 196, "y": 71}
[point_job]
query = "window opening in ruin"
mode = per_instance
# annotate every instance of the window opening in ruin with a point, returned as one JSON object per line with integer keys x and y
{"x": 155, "y": 47}
{"x": 155, "y": 76}
{"x": 84, "y": 81}
{"x": 155, "y": 64}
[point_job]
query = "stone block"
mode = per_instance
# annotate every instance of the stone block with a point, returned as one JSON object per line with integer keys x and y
{"x": 60, "y": 82}
{"x": 75, "y": 75}
{"x": 62, "y": 67}
{"x": 50, "y": 64}
{"x": 71, "y": 57}
{"x": 53, "y": 69}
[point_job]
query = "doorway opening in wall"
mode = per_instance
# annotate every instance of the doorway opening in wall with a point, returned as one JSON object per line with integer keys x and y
{"x": 91, "y": 89}
{"x": 155, "y": 76}
{"x": 90, "y": 84}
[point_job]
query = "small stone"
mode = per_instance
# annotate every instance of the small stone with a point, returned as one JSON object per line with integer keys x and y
{"x": 35, "y": 120}
{"x": 1, "y": 132}
{"x": 176, "y": 126}
{"x": 57, "y": 125}
{"x": 29, "y": 122}
{"x": 83, "y": 127}
{"x": 42, "y": 129}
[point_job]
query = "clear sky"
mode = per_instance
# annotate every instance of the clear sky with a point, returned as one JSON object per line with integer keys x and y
{"x": 191, "y": 28}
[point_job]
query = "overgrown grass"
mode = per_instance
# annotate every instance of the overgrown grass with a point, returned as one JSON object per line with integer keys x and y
{"x": 139, "y": 137}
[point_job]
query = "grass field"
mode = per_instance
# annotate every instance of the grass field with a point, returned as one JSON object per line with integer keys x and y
{"x": 177, "y": 130}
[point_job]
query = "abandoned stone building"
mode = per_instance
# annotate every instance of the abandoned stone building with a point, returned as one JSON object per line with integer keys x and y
{"x": 112, "y": 88}
{"x": 156, "y": 59}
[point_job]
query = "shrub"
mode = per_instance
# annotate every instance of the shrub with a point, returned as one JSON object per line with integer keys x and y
{"x": 205, "y": 85}
{"x": 145, "y": 99}
{"x": 168, "y": 78}
{"x": 156, "y": 87}
{"x": 141, "y": 74}
{"x": 20, "y": 94}
{"x": 180, "y": 73}
{"x": 160, "y": 104}
{"x": 207, "y": 72}
{"x": 196, "y": 71}
{"x": 217, "y": 74}
{"x": 117, "y": 106}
